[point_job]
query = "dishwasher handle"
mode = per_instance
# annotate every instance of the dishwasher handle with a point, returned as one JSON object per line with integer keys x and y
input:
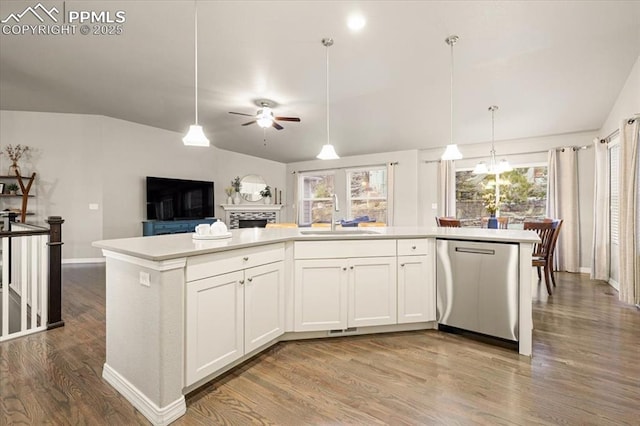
{"x": 475, "y": 250}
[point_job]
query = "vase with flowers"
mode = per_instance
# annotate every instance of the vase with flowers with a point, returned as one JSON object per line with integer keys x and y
{"x": 491, "y": 207}
{"x": 235, "y": 184}
{"x": 266, "y": 194}
{"x": 15, "y": 153}
{"x": 229, "y": 191}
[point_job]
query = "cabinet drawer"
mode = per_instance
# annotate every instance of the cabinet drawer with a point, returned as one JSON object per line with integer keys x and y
{"x": 343, "y": 249}
{"x": 209, "y": 265}
{"x": 412, "y": 246}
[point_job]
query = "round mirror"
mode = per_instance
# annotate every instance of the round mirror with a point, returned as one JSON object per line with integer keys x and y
{"x": 250, "y": 187}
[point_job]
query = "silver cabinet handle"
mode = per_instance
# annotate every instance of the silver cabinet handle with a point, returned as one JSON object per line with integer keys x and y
{"x": 350, "y": 267}
{"x": 241, "y": 282}
{"x": 344, "y": 268}
{"x": 249, "y": 279}
{"x": 413, "y": 247}
{"x": 245, "y": 258}
{"x": 402, "y": 264}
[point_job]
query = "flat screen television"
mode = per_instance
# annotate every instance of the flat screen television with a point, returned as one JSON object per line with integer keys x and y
{"x": 178, "y": 199}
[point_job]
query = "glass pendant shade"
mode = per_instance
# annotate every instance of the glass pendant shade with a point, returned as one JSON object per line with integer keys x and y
{"x": 328, "y": 152}
{"x": 481, "y": 169}
{"x": 195, "y": 137}
{"x": 452, "y": 153}
{"x": 504, "y": 166}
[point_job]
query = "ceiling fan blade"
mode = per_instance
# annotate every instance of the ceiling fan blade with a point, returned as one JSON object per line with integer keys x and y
{"x": 277, "y": 126}
{"x": 287, "y": 118}
{"x": 250, "y": 122}
{"x": 241, "y": 113}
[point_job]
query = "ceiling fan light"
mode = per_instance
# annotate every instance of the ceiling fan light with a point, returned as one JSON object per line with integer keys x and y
{"x": 480, "y": 169}
{"x": 452, "y": 153}
{"x": 328, "y": 152}
{"x": 195, "y": 136}
{"x": 265, "y": 118}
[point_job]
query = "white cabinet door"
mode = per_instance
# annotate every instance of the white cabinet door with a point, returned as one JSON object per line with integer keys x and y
{"x": 320, "y": 293}
{"x": 372, "y": 291}
{"x": 416, "y": 289}
{"x": 214, "y": 324}
{"x": 263, "y": 304}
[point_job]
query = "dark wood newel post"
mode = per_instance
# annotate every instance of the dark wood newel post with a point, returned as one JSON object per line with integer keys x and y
{"x": 55, "y": 272}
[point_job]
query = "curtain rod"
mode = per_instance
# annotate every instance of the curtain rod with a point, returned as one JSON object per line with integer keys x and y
{"x": 616, "y": 132}
{"x": 392, "y": 163}
{"x": 575, "y": 148}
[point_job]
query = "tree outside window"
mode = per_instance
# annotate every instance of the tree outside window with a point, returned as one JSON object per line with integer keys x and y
{"x": 367, "y": 193}
{"x": 523, "y": 194}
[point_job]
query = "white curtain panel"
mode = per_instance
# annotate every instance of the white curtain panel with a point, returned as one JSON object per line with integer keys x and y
{"x": 447, "y": 189}
{"x": 562, "y": 203}
{"x": 391, "y": 178}
{"x": 601, "y": 246}
{"x": 629, "y": 238}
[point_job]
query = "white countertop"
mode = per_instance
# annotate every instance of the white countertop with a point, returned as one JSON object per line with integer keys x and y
{"x": 164, "y": 247}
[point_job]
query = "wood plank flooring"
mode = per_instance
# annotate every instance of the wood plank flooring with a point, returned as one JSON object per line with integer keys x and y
{"x": 585, "y": 370}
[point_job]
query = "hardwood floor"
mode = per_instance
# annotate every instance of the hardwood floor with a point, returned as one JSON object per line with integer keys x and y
{"x": 585, "y": 370}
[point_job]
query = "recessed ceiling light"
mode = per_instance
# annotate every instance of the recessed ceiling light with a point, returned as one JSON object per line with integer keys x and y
{"x": 356, "y": 22}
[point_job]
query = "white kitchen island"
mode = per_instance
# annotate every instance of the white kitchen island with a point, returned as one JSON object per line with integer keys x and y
{"x": 180, "y": 312}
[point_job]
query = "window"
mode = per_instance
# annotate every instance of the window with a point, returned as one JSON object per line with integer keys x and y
{"x": 614, "y": 189}
{"x": 367, "y": 193}
{"x": 315, "y": 201}
{"x": 523, "y": 194}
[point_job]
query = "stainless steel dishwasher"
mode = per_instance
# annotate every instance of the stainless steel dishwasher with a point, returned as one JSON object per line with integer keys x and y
{"x": 477, "y": 287}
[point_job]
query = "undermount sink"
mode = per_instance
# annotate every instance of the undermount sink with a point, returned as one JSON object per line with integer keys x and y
{"x": 339, "y": 232}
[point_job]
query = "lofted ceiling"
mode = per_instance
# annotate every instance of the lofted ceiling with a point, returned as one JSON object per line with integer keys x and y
{"x": 552, "y": 68}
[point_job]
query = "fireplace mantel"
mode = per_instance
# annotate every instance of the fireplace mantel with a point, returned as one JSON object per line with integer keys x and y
{"x": 235, "y": 212}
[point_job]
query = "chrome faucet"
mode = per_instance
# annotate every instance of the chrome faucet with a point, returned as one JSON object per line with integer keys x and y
{"x": 334, "y": 210}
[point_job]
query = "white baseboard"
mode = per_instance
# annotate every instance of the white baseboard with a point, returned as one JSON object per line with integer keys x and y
{"x": 84, "y": 260}
{"x": 613, "y": 283}
{"x": 585, "y": 270}
{"x": 156, "y": 415}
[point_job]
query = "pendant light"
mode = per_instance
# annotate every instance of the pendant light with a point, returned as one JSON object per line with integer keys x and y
{"x": 452, "y": 152}
{"x": 494, "y": 167}
{"x": 195, "y": 136}
{"x": 328, "y": 152}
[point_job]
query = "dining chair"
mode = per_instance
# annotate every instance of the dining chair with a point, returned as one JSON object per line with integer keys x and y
{"x": 448, "y": 222}
{"x": 503, "y": 222}
{"x": 370, "y": 224}
{"x": 542, "y": 250}
{"x": 321, "y": 225}
{"x": 281, "y": 225}
{"x": 557, "y": 224}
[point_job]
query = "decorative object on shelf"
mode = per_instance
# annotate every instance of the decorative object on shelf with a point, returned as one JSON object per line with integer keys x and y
{"x": 1, "y": 188}
{"x": 195, "y": 136}
{"x": 266, "y": 194}
{"x": 494, "y": 167}
{"x": 235, "y": 184}
{"x": 452, "y": 152}
{"x": 12, "y": 188}
{"x": 229, "y": 191}
{"x": 15, "y": 153}
{"x": 328, "y": 152}
{"x": 251, "y": 187}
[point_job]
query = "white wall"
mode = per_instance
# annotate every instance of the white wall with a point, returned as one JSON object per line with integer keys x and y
{"x": 626, "y": 105}
{"x": 83, "y": 159}
{"x": 405, "y": 188}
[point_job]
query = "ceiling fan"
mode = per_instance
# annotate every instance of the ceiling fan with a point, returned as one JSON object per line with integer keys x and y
{"x": 265, "y": 117}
